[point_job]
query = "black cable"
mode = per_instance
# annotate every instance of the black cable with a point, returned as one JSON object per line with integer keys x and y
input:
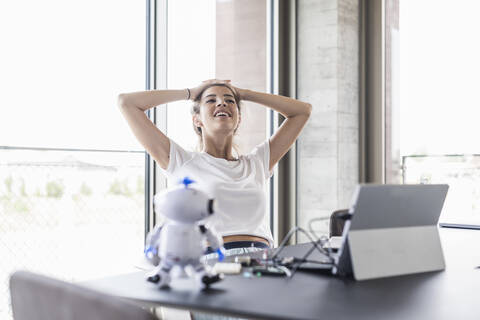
{"x": 303, "y": 259}
{"x": 309, "y": 252}
{"x": 315, "y": 244}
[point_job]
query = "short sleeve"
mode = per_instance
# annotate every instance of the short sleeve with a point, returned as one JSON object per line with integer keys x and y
{"x": 261, "y": 154}
{"x": 177, "y": 158}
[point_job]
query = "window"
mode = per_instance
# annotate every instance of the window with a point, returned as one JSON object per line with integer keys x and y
{"x": 217, "y": 39}
{"x": 71, "y": 171}
{"x": 223, "y": 40}
{"x": 432, "y": 70}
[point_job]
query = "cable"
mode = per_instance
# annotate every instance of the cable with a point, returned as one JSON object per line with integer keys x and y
{"x": 343, "y": 215}
{"x": 289, "y": 235}
{"x": 317, "y": 244}
{"x": 310, "y": 228}
{"x": 304, "y": 258}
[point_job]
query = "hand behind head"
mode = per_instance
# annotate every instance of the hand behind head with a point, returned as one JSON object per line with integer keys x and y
{"x": 194, "y": 92}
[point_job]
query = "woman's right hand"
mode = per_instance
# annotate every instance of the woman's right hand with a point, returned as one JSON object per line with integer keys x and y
{"x": 194, "y": 92}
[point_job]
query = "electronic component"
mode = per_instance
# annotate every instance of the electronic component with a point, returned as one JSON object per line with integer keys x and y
{"x": 227, "y": 267}
{"x": 271, "y": 271}
{"x": 243, "y": 260}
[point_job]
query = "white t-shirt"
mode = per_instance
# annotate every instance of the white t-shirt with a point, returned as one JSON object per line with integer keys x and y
{"x": 238, "y": 187}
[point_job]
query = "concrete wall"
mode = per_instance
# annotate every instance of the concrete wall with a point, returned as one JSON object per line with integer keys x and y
{"x": 327, "y": 71}
{"x": 327, "y": 77}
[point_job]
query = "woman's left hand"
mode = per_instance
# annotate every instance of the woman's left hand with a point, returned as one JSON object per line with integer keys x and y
{"x": 239, "y": 92}
{"x": 195, "y": 91}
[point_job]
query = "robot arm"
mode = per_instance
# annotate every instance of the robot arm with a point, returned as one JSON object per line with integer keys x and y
{"x": 151, "y": 245}
{"x": 214, "y": 240}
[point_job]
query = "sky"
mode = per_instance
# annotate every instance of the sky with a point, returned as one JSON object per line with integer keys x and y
{"x": 438, "y": 99}
{"x": 61, "y": 76}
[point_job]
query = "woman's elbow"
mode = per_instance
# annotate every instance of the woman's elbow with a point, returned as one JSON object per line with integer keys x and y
{"x": 122, "y": 100}
{"x": 304, "y": 109}
{"x": 308, "y": 108}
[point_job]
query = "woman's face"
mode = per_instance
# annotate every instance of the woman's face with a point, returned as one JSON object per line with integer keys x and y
{"x": 218, "y": 112}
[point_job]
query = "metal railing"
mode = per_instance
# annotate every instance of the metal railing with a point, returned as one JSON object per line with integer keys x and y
{"x": 461, "y": 172}
{"x": 74, "y": 214}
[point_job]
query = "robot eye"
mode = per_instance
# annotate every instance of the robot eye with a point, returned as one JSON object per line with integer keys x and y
{"x": 210, "y": 206}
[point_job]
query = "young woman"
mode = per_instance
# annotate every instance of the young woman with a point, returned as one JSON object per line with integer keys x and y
{"x": 236, "y": 183}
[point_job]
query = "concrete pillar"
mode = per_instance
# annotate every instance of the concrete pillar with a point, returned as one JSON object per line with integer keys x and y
{"x": 328, "y": 78}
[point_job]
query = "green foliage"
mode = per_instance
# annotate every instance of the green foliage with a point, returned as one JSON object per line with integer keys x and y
{"x": 9, "y": 183}
{"x": 23, "y": 189}
{"x": 55, "y": 189}
{"x": 120, "y": 188}
{"x": 85, "y": 190}
{"x": 13, "y": 204}
{"x": 20, "y": 205}
{"x": 76, "y": 197}
{"x": 38, "y": 193}
{"x": 140, "y": 185}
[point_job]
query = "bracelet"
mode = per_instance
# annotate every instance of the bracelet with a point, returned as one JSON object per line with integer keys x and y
{"x": 188, "y": 90}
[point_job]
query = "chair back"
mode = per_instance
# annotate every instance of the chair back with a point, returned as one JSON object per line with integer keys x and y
{"x": 37, "y": 297}
{"x": 336, "y": 223}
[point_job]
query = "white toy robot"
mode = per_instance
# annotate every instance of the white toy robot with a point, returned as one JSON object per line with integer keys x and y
{"x": 182, "y": 240}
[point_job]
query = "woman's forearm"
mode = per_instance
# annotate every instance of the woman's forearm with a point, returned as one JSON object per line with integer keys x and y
{"x": 287, "y": 107}
{"x": 145, "y": 100}
{"x": 133, "y": 106}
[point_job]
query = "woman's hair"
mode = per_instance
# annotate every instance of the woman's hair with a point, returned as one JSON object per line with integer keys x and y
{"x": 196, "y": 110}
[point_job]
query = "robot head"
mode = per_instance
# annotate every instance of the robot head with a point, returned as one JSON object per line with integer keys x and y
{"x": 184, "y": 203}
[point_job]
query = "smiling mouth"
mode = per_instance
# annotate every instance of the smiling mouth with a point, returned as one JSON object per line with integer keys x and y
{"x": 222, "y": 114}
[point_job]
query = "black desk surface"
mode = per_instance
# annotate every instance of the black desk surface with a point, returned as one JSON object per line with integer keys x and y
{"x": 450, "y": 294}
